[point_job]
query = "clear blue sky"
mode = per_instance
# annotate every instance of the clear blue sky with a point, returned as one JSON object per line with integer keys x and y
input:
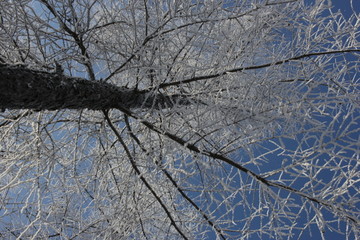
{"x": 347, "y": 10}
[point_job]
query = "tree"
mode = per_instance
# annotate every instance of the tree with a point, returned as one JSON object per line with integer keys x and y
{"x": 178, "y": 120}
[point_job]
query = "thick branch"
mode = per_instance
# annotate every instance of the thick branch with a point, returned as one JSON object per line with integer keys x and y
{"x": 241, "y": 69}
{"x": 259, "y": 178}
{"x": 142, "y": 178}
{"x": 25, "y": 88}
{"x": 173, "y": 181}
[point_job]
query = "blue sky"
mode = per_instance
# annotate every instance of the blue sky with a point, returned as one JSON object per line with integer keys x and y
{"x": 345, "y": 7}
{"x": 347, "y": 10}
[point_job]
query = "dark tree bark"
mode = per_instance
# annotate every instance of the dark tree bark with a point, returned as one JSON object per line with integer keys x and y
{"x": 25, "y": 88}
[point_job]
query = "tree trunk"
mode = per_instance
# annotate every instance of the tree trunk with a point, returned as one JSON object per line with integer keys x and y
{"x": 25, "y": 88}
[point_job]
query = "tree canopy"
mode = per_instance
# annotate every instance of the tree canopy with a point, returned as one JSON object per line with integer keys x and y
{"x": 179, "y": 119}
